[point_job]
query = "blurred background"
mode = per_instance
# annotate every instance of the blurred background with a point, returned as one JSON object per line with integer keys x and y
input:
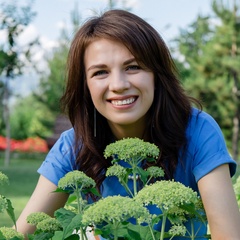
{"x": 204, "y": 39}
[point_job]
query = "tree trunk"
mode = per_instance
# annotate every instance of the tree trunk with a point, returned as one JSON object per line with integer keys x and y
{"x": 6, "y": 116}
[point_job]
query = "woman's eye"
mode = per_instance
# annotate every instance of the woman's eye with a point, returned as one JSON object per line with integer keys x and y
{"x": 99, "y": 73}
{"x": 133, "y": 67}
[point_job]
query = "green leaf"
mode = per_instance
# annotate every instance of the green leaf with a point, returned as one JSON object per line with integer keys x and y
{"x": 57, "y": 235}
{"x": 143, "y": 175}
{"x": 69, "y": 221}
{"x": 43, "y": 236}
{"x": 62, "y": 190}
{"x": 71, "y": 199}
{"x": 64, "y": 216}
{"x": 92, "y": 190}
{"x": 141, "y": 232}
{"x": 10, "y": 211}
{"x": 149, "y": 159}
{"x": 75, "y": 223}
{"x": 72, "y": 237}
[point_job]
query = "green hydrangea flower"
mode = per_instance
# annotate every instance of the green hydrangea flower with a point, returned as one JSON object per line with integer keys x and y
{"x": 35, "y": 218}
{"x": 177, "y": 230}
{"x": 3, "y": 179}
{"x": 155, "y": 172}
{"x": 49, "y": 225}
{"x": 167, "y": 195}
{"x": 75, "y": 180}
{"x": 129, "y": 148}
{"x": 3, "y": 203}
{"x": 116, "y": 170}
{"x": 10, "y": 233}
{"x": 114, "y": 209}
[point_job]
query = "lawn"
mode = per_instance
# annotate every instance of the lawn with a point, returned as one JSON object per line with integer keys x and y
{"x": 23, "y": 176}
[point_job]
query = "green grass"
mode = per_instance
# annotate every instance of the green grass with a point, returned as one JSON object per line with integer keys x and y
{"x": 23, "y": 176}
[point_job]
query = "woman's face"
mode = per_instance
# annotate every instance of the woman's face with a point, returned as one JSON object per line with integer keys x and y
{"x": 121, "y": 90}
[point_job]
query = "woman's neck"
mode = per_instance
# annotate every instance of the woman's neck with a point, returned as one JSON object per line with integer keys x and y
{"x": 128, "y": 131}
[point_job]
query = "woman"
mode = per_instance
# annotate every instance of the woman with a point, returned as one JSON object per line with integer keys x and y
{"x": 122, "y": 82}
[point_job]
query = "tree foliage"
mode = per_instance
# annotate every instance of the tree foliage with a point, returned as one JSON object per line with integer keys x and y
{"x": 13, "y": 21}
{"x": 211, "y": 65}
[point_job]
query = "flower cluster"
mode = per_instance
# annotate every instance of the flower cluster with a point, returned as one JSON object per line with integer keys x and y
{"x": 75, "y": 180}
{"x": 49, "y": 225}
{"x": 129, "y": 148}
{"x": 178, "y": 230}
{"x": 114, "y": 209}
{"x": 116, "y": 170}
{"x": 3, "y": 203}
{"x": 10, "y": 233}
{"x": 35, "y": 218}
{"x": 3, "y": 179}
{"x": 44, "y": 222}
{"x": 155, "y": 172}
{"x": 169, "y": 196}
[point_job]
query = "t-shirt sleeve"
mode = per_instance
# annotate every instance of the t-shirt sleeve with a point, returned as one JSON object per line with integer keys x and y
{"x": 60, "y": 159}
{"x": 210, "y": 149}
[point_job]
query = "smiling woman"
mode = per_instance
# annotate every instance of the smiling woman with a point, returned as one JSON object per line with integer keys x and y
{"x": 121, "y": 90}
{"x": 122, "y": 82}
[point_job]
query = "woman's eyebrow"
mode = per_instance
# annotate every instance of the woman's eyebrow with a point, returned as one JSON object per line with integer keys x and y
{"x": 97, "y": 66}
{"x": 131, "y": 60}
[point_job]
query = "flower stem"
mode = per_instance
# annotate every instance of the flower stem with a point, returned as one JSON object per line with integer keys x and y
{"x": 153, "y": 237}
{"x": 80, "y": 209}
{"x": 192, "y": 230}
{"x": 163, "y": 226}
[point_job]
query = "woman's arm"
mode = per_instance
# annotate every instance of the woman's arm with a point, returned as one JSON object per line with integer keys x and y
{"x": 220, "y": 204}
{"x": 42, "y": 200}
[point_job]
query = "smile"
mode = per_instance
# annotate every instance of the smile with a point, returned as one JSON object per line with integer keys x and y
{"x": 123, "y": 102}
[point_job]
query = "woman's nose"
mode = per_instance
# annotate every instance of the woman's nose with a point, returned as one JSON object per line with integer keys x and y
{"x": 118, "y": 82}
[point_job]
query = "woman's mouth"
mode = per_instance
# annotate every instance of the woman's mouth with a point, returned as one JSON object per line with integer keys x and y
{"x": 124, "y": 101}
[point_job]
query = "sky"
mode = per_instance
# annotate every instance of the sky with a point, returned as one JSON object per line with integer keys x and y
{"x": 166, "y": 16}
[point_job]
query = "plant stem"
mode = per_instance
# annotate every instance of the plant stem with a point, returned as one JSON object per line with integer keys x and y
{"x": 163, "y": 226}
{"x": 78, "y": 195}
{"x": 115, "y": 230}
{"x": 192, "y": 230}
{"x": 134, "y": 182}
{"x": 153, "y": 237}
{"x": 127, "y": 188}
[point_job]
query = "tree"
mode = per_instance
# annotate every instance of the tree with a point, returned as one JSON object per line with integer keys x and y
{"x": 211, "y": 63}
{"x": 13, "y": 20}
{"x": 28, "y": 119}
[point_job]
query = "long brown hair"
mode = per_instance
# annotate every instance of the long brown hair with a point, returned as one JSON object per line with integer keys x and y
{"x": 171, "y": 108}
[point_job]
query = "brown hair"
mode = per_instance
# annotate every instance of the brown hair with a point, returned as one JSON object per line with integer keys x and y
{"x": 171, "y": 108}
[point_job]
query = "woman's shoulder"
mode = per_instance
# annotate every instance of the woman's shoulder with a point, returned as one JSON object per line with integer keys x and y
{"x": 202, "y": 121}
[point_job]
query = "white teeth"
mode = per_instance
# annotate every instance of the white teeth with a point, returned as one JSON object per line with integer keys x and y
{"x": 123, "y": 102}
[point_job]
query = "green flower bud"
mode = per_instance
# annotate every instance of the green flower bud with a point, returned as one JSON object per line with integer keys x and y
{"x": 76, "y": 179}
{"x": 35, "y": 218}
{"x": 3, "y": 179}
{"x": 167, "y": 195}
{"x": 49, "y": 225}
{"x": 178, "y": 230}
{"x": 114, "y": 209}
{"x": 10, "y": 233}
{"x": 129, "y": 148}
{"x": 3, "y": 203}
{"x": 116, "y": 170}
{"x": 155, "y": 172}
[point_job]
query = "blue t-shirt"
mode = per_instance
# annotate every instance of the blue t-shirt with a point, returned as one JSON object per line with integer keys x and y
{"x": 205, "y": 151}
